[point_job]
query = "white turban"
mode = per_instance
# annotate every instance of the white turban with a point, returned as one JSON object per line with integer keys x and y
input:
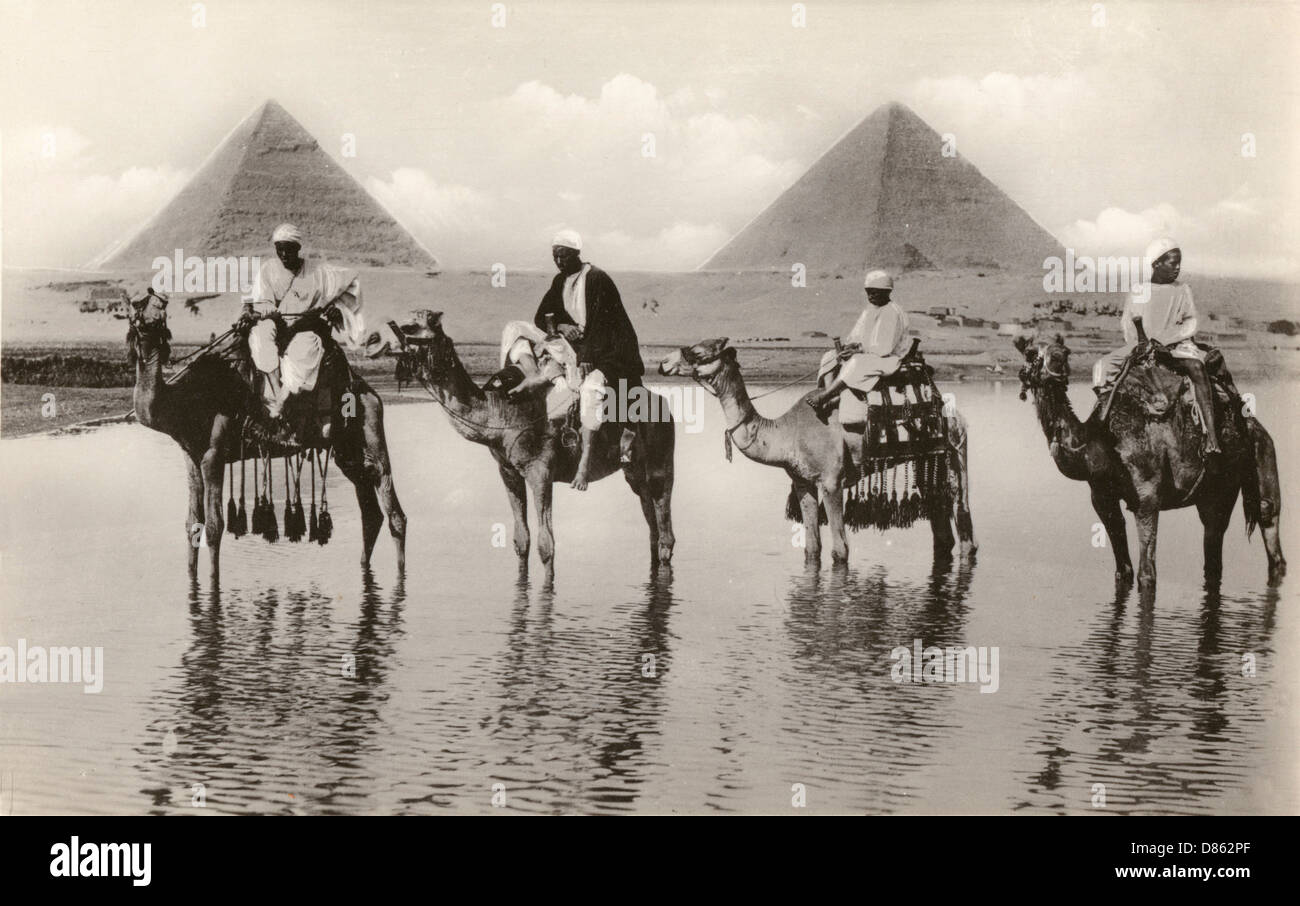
{"x": 568, "y": 239}
{"x": 1159, "y": 248}
{"x": 878, "y": 280}
{"x": 287, "y": 232}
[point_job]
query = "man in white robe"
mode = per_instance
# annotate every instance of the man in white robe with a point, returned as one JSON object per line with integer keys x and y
{"x": 875, "y": 344}
{"x": 1169, "y": 317}
{"x": 292, "y": 285}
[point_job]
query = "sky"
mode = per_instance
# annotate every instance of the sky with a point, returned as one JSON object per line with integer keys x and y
{"x": 1109, "y": 123}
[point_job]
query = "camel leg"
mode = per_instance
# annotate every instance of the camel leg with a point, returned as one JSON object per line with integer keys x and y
{"x": 195, "y": 515}
{"x": 517, "y": 491}
{"x": 1215, "y": 514}
{"x": 652, "y": 521}
{"x": 1148, "y": 527}
{"x": 381, "y": 472}
{"x": 1267, "y": 490}
{"x": 959, "y": 475}
{"x": 372, "y": 517}
{"x": 539, "y": 479}
{"x": 1107, "y": 507}
{"x": 214, "y": 473}
{"x": 663, "y": 500}
{"x": 812, "y": 550}
{"x": 833, "y": 499}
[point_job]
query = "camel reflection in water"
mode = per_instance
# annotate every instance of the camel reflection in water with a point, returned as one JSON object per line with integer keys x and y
{"x": 262, "y": 713}
{"x": 1153, "y": 705}
{"x": 877, "y": 733}
{"x": 580, "y": 709}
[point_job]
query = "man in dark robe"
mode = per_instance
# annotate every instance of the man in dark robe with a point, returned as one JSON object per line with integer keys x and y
{"x": 586, "y": 309}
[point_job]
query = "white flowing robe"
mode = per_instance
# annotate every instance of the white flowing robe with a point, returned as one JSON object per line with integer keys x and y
{"x": 1168, "y": 316}
{"x": 881, "y": 331}
{"x": 316, "y": 285}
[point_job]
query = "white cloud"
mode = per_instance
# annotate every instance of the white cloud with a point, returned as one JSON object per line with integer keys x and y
{"x": 1234, "y": 236}
{"x": 681, "y": 246}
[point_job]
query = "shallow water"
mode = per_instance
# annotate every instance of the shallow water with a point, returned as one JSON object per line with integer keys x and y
{"x": 765, "y": 675}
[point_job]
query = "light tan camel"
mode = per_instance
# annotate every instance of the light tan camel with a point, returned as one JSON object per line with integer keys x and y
{"x": 816, "y": 454}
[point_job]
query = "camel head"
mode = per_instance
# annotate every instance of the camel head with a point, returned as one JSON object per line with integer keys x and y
{"x": 700, "y": 361}
{"x": 1042, "y": 367}
{"x": 420, "y": 346}
{"x": 147, "y": 332}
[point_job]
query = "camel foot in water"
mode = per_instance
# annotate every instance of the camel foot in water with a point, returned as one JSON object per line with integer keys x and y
{"x": 1276, "y": 571}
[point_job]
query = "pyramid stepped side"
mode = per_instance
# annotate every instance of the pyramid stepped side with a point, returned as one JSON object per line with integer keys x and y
{"x": 946, "y": 210}
{"x": 885, "y": 196}
{"x": 271, "y": 170}
{"x": 189, "y": 219}
{"x": 826, "y": 218}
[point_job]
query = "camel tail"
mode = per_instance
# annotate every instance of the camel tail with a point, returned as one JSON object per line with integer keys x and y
{"x": 1250, "y": 496}
{"x": 794, "y": 513}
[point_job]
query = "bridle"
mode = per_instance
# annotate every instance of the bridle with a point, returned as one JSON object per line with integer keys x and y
{"x": 714, "y": 364}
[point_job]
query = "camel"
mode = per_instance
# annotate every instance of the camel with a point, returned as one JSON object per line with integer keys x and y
{"x": 204, "y": 410}
{"x": 816, "y": 454}
{"x": 529, "y": 447}
{"x": 1149, "y": 456}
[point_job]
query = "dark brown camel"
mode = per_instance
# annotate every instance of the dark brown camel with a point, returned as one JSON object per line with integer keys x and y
{"x": 529, "y": 447}
{"x": 204, "y": 409}
{"x": 1149, "y": 456}
{"x": 815, "y": 454}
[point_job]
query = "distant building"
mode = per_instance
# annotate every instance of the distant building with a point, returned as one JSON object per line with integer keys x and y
{"x": 104, "y": 299}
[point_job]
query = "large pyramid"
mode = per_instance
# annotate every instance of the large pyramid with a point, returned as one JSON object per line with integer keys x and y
{"x": 267, "y": 171}
{"x": 885, "y": 196}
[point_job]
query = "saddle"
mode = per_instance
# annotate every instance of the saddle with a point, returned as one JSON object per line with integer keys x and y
{"x": 307, "y": 417}
{"x": 1153, "y": 382}
{"x": 902, "y": 415}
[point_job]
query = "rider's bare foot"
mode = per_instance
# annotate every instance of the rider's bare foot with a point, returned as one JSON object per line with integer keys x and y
{"x": 530, "y": 382}
{"x": 579, "y": 482}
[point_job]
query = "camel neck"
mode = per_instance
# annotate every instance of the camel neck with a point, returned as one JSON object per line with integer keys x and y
{"x": 746, "y": 426}
{"x": 148, "y": 386}
{"x": 1064, "y": 432}
{"x": 470, "y": 411}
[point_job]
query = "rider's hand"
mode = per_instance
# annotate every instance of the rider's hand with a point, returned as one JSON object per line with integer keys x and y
{"x": 849, "y": 351}
{"x": 571, "y": 332}
{"x": 246, "y": 317}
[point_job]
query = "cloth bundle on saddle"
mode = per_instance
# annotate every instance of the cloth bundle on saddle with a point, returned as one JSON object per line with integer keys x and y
{"x": 557, "y": 358}
{"x": 900, "y": 414}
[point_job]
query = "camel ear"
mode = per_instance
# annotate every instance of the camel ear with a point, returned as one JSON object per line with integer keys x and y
{"x": 433, "y": 320}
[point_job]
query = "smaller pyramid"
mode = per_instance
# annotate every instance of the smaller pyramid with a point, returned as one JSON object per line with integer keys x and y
{"x": 886, "y": 196}
{"x": 267, "y": 171}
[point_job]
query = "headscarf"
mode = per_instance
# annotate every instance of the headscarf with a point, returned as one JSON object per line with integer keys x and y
{"x": 287, "y": 232}
{"x": 1158, "y": 248}
{"x": 568, "y": 239}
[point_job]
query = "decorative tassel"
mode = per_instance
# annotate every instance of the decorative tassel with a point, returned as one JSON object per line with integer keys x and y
{"x": 241, "y": 514}
{"x": 231, "y": 512}
{"x": 325, "y": 526}
{"x": 312, "y": 525}
{"x": 726, "y": 443}
{"x": 270, "y": 528}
